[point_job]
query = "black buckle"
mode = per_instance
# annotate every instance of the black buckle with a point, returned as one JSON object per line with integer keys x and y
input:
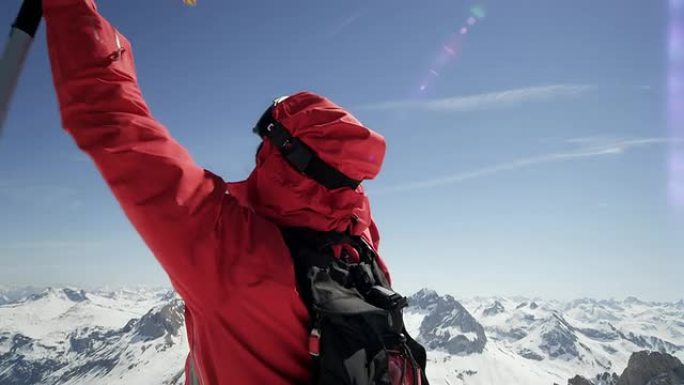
{"x": 385, "y": 298}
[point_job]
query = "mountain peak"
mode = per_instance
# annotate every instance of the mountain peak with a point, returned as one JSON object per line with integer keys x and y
{"x": 69, "y": 294}
{"x": 495, "y": 308}
{"x": 633, "y": 301}
{"x": 63, "y": 340}
{"x": 425, "y": 292}
{"x": 75, "y": 295}
{"x": 424, "y": 299}
{"x": 451, "y": 327}
{"x": 160, "y": 321}
{"x": 579, "y": 380}
{"x": 652, "y": 368}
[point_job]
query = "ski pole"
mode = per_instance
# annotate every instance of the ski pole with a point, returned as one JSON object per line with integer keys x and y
{"x": 16, "y": 49}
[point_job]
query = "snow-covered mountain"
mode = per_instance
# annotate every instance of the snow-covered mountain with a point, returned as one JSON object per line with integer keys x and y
{"x": 546, "y": 342}
{"x": 70, "y": 336}
{"x": 8, "y": 294}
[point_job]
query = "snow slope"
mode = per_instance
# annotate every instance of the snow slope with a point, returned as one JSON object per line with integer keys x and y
{"x": 136, "y": 336}
{"x": 67, "y": 336}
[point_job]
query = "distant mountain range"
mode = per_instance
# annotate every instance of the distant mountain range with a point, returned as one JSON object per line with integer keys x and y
{"x": 484, "y": 341}
{"x": 61, "y": 336}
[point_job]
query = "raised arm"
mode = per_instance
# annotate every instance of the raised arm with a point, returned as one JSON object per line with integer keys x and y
{"x": 174, "y": 204}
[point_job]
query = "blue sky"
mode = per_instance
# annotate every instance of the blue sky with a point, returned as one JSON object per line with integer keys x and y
{"x": 534, "y": 161}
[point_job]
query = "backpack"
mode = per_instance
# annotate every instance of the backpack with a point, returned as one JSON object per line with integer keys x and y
{"x": 357, "y": 330}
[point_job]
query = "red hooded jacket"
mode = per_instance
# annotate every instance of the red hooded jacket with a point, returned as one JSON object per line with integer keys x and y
{"x": 219, "y": 243}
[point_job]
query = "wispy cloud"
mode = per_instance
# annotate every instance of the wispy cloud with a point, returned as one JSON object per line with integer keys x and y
{"x": 589, "y": 148}
{"x": 619, "y": 145}
{"x": 336, "y": 28}
{"x": 500, "y": 99}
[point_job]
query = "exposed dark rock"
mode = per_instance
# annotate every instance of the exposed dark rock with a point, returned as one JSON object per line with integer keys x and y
{"x": 648, "y": 342}
{"x": 652, "y": 368}
{"x": 449, "y": 314}
{"x": 37, "y": 296}
{"x": 530, "y": 355}
{"x": 17, "y": 370}
{"x": 71, "y": 294}
{"x": 81, "y": 345}
{"x": 425, "y": 299}
{"x": 15, "y": 295}
{"x": 560, "y": 339}
{"x": 461, "y": 375}
{"x": 609, "y": 349}
{"x": 19, "y": 341}
{"x": 652, "y": 343}
{"x": 86, "y": 352}
{"x": 168, "y": 295}
{"x": 579, "y": 380}
{"x": 178, "y": 378}
{"x": 88, "y": 341}
{"x": 129, "y": 325}
{"x": 514, "y": 334}
{"x": 606, "y": 378}
{"x": 496, "y": 308}
{"x": 558, "y": 343}
{"x": 158, "y": 322}
{"x": 97, "y": 366}
{"x": 600, "y": 335}
{"x": 76, "y": 296}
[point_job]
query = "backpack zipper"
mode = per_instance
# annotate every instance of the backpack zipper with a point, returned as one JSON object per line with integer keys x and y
{"x": 315, "y": 342}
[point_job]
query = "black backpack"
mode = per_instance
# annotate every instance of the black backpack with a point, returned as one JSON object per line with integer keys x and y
{"x": 357, "y": 330}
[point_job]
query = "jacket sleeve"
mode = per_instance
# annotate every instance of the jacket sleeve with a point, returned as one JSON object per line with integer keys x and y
{"x": 174, "y": 204}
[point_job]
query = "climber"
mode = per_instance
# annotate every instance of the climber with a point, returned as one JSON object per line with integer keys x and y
{"x": 220, "y": 243}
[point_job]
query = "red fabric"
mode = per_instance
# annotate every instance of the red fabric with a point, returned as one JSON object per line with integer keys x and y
{"x": 219, "y": 244}
{"x": 401, "y": 370}
{"x": 277, "y": 191}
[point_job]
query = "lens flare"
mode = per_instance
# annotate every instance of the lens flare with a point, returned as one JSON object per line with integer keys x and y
{"x": 675, "y": 85}
{"x": 451, "y": 49}
{"x": 479, "y": 11}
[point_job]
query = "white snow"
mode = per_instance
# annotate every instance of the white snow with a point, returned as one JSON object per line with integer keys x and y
{"x": 532, "y": 328}
{"x": 412, "y": 321}
{"x": 53, "y": 312}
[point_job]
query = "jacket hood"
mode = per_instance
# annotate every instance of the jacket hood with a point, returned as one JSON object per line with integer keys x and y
{"x": 280, "y": 193}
